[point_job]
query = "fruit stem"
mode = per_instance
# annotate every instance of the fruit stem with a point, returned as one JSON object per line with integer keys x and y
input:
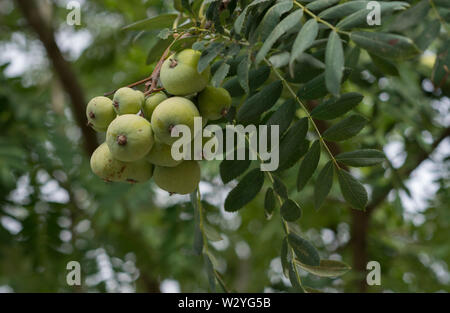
{"x": 171, "y": 128}
{"x": 149, "y": 92}
{"x": 151, "y": 81}
{"x": 130, "y": 86}
{"x": 122, "y": 140}
{"x": 173, "y": 63}
{"x": 201, "y": 222}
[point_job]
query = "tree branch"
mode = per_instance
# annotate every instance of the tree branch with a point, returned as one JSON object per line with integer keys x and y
{"x": 360, "y": 219}
{"x": 62, "y": 68}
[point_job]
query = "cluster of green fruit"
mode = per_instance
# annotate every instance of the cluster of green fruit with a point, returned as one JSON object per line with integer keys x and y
{"x": 139, "y": 130}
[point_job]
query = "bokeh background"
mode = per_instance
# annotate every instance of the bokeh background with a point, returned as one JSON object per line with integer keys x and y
{"x": 135, "y": 238}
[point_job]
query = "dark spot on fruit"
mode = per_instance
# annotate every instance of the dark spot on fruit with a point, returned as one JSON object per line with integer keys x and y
{"x": 91, "y": 114}
{"x": 122, "y": 169}
{"x": 130, "y": 180}
{"x": 116, "y": 104}
{"x": 122, "y": 140}
{"x": 173, "y": 63}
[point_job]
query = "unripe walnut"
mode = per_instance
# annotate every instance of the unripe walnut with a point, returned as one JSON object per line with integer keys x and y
{"x": 171, "y": 112}
{"x": 161, "y": 155}
{"x": 128, "y": 101}
{"x": 151, "y": 103}
{"x": 181, "y": 179}
{"x": 213, "y": 103}
{"x": 105, "y": 166}
{"x": 100, "y": 113}
{"x": 179, "y": 75}
{"x": 129, "y": 137}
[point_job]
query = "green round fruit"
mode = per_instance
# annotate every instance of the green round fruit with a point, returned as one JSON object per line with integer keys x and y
{"x": 109, "y": 169}
{"x": 151, "y": 102}
{"x": 161, "y": 155}
{"x": 213, "y": 103}
{"x": 129, "y": 137}
{"x": 128, "y": 101}
{"x": 197, "y": 153}
{"x": 171, "y": 112}
{"x": 100, "y": 113}
{"x": 137, "y": 172}
{"x": 181, "y": 179}
{"x": 179, "y": 75}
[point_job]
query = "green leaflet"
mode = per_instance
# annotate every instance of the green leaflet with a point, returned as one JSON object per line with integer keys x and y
{"x": 323, "y": 184}
{"x": 294, "y": 279}
{"x": 242, "y": 73}
{"x": 303, "y": 41}
{"x": 290, "y": 211}
{"x": 208, "y": 55}
{"x": 428, "y": 35}
{"x": 386, "y": 45}
{"x": 334, "y": 63}
{"x": 361, "y": 158}
{"x": 308, "y": 165}
{"x": 254, "y": 106}
{"x": 359, "y": 18}
{"x": 343, "y": 9}
{"x": 320, "y": 4}
{"x": 315, "y": 88}
{"x": 285, "y": 256}
{"x": 257, "y": 77}
{"x": 239, "y": 23}
{"x": 231, "y": 169}
{"x": 211, "y": 233}
{"x": 410, "y": 17}
{"x": 269, "y": 203}
{"x": 272, "y": 17}
{"x": 280, "y": 187}
{"x": 245, "y": 190}
{"x": 286, "y": 24}
{"x": 283, "y": 116}
{"x": 280, "y": 59}
{"x": 304, "y": 250}
{"x": 210, "y": 272}
{"x": 385, "y": 66}
{"x": 352, "y": 190}
{"x": 293, "y": 145}
{"x": 336, "y": 107}
{"x": 326, "y": 268}
{"x": 346, "y": 128}
{"x": 220, "y": 74}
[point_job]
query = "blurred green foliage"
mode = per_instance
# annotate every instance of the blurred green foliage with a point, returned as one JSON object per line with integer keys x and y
{"x": 133, "y": 238}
